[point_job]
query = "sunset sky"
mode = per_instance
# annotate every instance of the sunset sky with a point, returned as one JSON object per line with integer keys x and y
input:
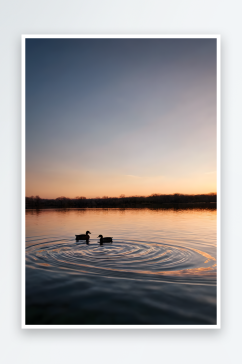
{"x": 120, "y": 116}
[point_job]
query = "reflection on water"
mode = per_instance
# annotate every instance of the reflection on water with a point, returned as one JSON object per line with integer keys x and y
{"x": 160, "y": 268}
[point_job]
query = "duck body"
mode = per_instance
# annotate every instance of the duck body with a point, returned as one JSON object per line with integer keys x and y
{"x": 105, "y": 240}
{"x": 83, "y": 236}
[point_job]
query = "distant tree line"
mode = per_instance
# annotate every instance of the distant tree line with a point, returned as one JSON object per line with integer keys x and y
{"x": 155, "y": 200}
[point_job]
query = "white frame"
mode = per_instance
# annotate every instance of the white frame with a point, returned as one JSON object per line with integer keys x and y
{"x": 218, "y": 325}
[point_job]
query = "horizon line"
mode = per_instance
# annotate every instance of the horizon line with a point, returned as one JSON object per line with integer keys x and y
{"x": 123, "y": 196}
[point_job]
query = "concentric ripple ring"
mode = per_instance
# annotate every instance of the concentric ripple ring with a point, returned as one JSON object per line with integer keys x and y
{"x": 129, "y": 259}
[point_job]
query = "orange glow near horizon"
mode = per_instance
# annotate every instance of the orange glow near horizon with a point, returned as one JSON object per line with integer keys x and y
{"x": 92, "y": 186}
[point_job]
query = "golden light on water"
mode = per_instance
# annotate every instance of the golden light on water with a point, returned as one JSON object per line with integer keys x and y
{"x": 161, "y": 241}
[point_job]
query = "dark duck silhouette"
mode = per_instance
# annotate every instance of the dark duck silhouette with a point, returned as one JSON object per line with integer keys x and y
{"x": 83, "y": 236}
{"x": 105, "y": 240}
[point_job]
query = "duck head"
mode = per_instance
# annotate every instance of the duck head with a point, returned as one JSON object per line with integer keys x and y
{"x": 88, "y": 232}
{"x": 100, "y": 236}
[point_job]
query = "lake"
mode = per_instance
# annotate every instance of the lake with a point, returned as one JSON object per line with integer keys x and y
{"x": 160, "y": 268}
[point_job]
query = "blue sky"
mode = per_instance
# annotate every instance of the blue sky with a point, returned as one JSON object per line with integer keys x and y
{"x": 120, "y": 116}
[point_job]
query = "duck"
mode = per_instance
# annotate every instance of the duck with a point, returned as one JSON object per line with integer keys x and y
{"x": 105, "y": 240}
{"x": 83, "y": 236}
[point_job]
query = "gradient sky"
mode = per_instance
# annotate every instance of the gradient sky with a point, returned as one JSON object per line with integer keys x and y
{"x": 120, "y": 116}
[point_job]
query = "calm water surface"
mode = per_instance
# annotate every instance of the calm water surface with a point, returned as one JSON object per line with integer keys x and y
{"x": 159, "y": 270}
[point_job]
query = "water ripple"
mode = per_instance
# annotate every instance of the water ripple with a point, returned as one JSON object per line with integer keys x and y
{"x": 129, "y": 259}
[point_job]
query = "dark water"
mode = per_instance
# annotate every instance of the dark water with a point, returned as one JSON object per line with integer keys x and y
{"x": 159, "y": 270}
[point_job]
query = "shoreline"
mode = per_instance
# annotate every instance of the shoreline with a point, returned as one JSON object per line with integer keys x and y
{"x": 154, "y": 201}
{"x": 176, "y": 206}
